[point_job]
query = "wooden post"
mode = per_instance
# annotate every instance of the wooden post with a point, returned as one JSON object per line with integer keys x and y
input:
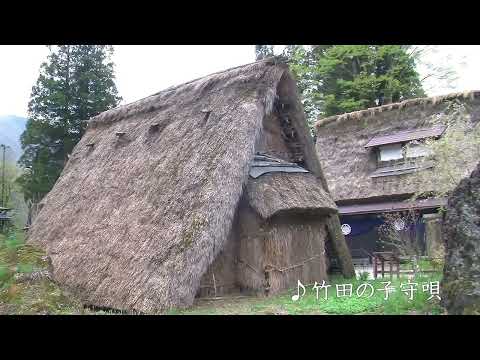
{"x": 3, "y": 201}
{"x": 214, "y": 284}
{"x": 383, "y": 267}
{"x": 414, "y": 262}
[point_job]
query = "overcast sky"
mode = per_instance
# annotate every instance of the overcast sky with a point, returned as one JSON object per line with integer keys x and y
{"x": 143, "y": 70}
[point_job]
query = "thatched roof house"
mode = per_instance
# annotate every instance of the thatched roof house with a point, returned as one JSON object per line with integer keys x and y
{"x": 368, "y": 167}
{"x": 211, "y": 186}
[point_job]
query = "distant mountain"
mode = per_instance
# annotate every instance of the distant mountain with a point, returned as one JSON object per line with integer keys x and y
{"x": 11, "y": 127}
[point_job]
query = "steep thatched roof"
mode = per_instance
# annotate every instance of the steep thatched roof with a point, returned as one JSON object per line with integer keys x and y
{"x": 149, "y": 194}
{"x": 427, "y": 101}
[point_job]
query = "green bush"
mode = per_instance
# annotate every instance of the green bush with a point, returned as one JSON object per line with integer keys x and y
{"x": 17, "y": 257}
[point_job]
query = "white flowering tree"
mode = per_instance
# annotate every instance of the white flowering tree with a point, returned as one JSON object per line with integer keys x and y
{"x": 455, "y": 154}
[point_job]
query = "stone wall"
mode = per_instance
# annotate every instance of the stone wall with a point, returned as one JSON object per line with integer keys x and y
{"x": 460, "y": 288}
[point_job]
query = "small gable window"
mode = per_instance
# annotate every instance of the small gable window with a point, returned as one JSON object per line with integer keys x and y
{"x": 390, "y": 152}
{"x": 397, "y": 152}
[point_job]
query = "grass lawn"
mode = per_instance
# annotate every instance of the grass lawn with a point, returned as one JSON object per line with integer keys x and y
{"x": 398, "y": 302}
{"x": 45, "y": 297}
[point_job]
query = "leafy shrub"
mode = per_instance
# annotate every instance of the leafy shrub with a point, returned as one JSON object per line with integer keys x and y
{"x": 17, "y": 257}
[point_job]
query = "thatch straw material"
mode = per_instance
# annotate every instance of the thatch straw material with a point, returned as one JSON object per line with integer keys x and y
{"x": 134, "y": 222}
{"x": 275, "y": 193}
{"x": 352, "y": 170}
{"x": 267, "y": 256}
{"x": 427, "y": 101}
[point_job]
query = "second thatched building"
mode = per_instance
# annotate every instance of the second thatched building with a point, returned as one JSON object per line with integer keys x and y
{"x": 371, "y": 158}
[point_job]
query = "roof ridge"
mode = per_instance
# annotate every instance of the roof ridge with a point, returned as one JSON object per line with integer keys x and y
{"x": 130, "y": 108}
{"x": 433, "y": 100}
{"x": 176, "y": 86}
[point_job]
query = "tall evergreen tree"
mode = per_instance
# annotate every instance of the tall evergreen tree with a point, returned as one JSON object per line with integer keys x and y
{"x": 263, "y": 51}
{"x": 335, "y": 79}
{"x": 75, "y": 83}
